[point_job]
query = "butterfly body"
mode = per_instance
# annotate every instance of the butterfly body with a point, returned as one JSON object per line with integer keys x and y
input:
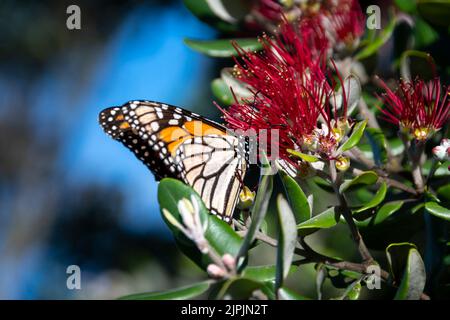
{"x": 173, "y": 142}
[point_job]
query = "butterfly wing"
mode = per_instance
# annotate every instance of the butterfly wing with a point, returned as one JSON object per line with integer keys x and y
{"x": 176, "y": 143}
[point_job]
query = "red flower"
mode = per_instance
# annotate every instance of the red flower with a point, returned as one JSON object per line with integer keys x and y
{"x": 328, "y": 24}
{"x": 291, "y": 93}
{"x": 345, "y": 22}
{"x": 269, "y": 9}
{"x": 416, "y": 106}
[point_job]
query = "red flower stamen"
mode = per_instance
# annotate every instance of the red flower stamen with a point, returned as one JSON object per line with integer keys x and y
{"x": 416, "y": 106}
{"x": 291, "y": 94}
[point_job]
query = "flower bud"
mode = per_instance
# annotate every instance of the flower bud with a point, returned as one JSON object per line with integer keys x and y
{"x": 442, "y": 151}
{"x": 214, "y": 271}
{"x": 191, "y": 226}
{"x": 338, "y": 133}
{"x": 229, "y": 261}
{"x": 246, "y": 198}
{"x": 342, "y": 163}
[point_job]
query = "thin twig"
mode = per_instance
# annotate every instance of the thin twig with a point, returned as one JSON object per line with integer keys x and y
{"x": 434, "y": 165}
{"x": 350, "y": 266}
{"x": 357, "y": 155}
{"x": 415, "y": 155}
{"x": 366, "y": 113}
{"x": 414, "y": 152}
{"x": 347, "y": 214}
{"x": 311, "y": 256}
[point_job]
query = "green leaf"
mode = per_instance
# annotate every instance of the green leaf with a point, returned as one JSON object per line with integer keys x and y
{"x": 352, "y": 88}
{"x": 397, "y": 147}
{"x": 222, "y": 15}
{"x": 259, "y": 210}
{"x": 353, "y": 291}
{"x": 326, "y": 219}
{"x": 408, "y": 6}
{"x": 222, "y": 92}
{"x": 263, "y": 273}
{"x": 376, "y": 200}
{"x": 366, "y": 177}
{"x": 386, "y": 211}
{"x": 435, "y": 11}
{"x": 444, "y": 193}
{"x": 397, "y": 255}
{"x": 269, "y": 290}
{"x": 182, "y": 293}
{"x": 223, "y": 48}
{"x": 218, "y": 233}
{"x": 414, "y": 277}
{"x": 321, "y": 275}
{"x": 287, "y": 239}
{"x": 378, "y": 144}
{"x": 374, "y": 46}
{"x": 170, "y": 192}
{"x": 341, "y": 278}
{"x": 437, "y": 210}
{"x": 303, "y": 156}
{"x": 353, "y": 140}
{"x": 414, "y": 63}
{"x": 238, "y": 288}
{"x": 239, "y": 88}
{"x": 441, "y": 171}
{"x": 424, "y": 34}
{"x": 222, "y": 237}
{"x": 288, "y": 294}
{"x": 297, "y": 198}
{"x": 231, "y": 11}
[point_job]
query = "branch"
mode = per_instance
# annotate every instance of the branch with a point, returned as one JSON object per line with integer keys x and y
{"x": 415, "y": 154}
{"x": 347, "y": 214}
{"x": 366, "y": 113}
{"x": 351, "y": 266}
{"x": 356, "y": 154}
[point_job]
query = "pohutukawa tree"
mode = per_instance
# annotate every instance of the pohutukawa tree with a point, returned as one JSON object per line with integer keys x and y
{"x": 308, "y": 71}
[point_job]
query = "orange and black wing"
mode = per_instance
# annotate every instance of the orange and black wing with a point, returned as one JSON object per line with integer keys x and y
{"x": 173, "y": 142}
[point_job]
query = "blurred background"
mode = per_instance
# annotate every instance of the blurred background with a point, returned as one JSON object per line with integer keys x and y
{"x": 69, "y": 194}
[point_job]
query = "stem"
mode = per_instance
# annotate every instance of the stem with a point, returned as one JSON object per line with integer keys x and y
{"x": 350, "y": 266}
{"x": 361, "y": 268}
{"x": 417, "y": 177}
{"x": 273, "y": 243}
{"x": 347, "y": 214}
{"x": 434, "y": 166}
{"x": 357, "y": 155}
{"x": 366, "y": 113}
{"x": 269, "y": 240}
{"x": 311, "y": 256}
{"x": 414, "y": 151}
{"x": 217, "y": 260}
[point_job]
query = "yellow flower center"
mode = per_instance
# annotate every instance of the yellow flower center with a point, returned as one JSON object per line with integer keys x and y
{"x": 421, "y": 133}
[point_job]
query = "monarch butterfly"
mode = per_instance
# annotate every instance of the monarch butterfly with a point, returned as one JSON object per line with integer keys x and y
{"x": 173, "y": 142}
